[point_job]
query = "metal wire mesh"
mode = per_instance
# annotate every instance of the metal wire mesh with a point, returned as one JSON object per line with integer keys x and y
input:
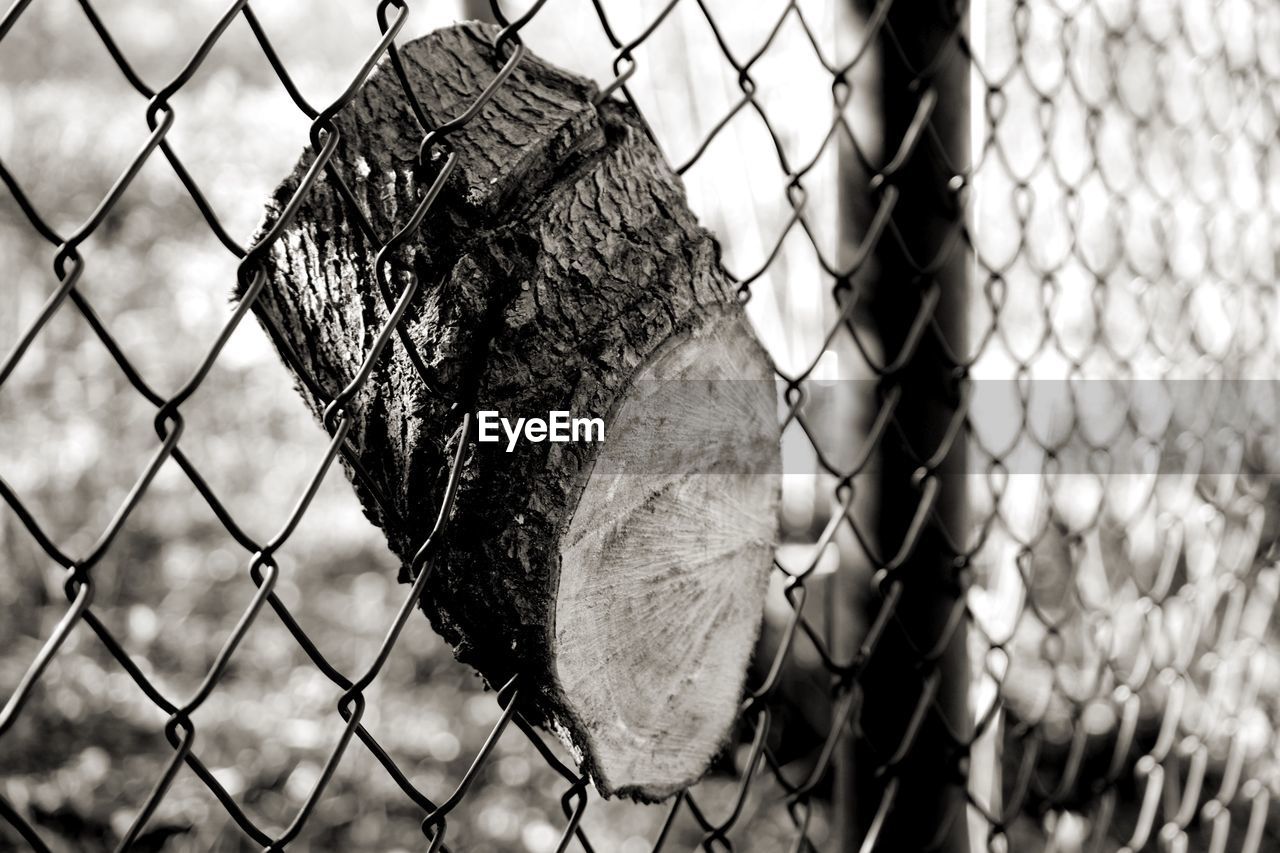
{"x": 1127, "y": 588}
{"x": 1024, "y": 606}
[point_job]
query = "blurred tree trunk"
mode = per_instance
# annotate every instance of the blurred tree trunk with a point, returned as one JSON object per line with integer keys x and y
{"x": 476, "y": 10}
{"x": 919, "y": 257}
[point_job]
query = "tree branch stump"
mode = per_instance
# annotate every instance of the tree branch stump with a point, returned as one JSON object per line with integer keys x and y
{"x": 560, "y": 270}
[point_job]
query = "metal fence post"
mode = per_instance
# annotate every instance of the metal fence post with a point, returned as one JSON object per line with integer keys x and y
{"x": 909, "y": 766}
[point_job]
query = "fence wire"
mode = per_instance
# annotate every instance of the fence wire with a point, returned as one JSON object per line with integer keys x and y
{"x": 993, "y": 628}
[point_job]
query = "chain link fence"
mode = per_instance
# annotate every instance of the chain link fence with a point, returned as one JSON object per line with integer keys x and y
{"x": 1012, "y": 260}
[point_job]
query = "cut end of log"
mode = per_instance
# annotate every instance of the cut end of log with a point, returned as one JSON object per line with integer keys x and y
{"x": 665, "y": 565}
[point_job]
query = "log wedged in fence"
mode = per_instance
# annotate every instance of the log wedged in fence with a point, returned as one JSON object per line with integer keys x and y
{"x": 559, "y": 267}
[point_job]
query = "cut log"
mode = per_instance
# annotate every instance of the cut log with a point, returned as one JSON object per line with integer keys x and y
{"x": 623, "y": 581}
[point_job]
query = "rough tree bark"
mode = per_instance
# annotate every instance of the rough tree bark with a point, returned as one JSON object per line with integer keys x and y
{"x": 561, "y": 270}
